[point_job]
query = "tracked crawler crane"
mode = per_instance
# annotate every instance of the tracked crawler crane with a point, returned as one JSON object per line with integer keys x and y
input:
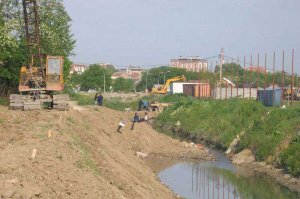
{"x": 43, "y": 75}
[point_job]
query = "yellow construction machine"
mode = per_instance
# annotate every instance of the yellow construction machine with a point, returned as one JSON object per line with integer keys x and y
{"x": 163, "y": 89}
{"x": 43, "y": 74}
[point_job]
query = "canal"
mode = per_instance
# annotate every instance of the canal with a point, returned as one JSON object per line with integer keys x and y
{"x": 219, "y": 180}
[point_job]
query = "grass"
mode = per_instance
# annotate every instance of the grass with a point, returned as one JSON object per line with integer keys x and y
{"x": 4, "y": 101}
{"x": 118, "y": 105}
{"x": 289, "y": 158}
{"x": 70, "y": 119}
{"x": 219, "y": 122}
{"x": 86, "y": 161}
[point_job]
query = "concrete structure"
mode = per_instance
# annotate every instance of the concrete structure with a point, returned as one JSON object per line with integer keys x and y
{"x": 193, "y": 64}
{"x": 234, "y": 92}
{"x": 78, "y": 68}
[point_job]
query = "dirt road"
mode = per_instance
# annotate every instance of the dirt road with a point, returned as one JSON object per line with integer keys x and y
{"x": 79, "y": 154}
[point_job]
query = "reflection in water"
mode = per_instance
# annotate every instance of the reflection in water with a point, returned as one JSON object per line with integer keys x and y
{"x": 220, "y": 180}
{"x": 208, "y": 183}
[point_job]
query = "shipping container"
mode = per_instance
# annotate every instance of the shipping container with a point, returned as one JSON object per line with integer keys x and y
{"x": 177, "y": 87}
{"x": 270, "y": 98}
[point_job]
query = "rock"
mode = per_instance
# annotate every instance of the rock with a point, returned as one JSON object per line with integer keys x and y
{"x": 244, "y": 156}
{"x": 232, "y": 145}
{"x": 140, "y": 154}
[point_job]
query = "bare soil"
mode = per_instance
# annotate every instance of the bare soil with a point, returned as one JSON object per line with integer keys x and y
{"x": 79, "y": 154}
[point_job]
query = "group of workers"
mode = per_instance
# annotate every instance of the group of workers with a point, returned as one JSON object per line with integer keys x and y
{"x": 142, "y": 105}
{"x": 135, "y": 119}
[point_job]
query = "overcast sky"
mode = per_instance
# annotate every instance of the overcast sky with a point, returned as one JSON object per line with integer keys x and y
{"x": 151, "y": 32}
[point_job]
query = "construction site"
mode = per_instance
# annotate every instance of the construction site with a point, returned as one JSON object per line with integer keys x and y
{"x": 217, "y": 127}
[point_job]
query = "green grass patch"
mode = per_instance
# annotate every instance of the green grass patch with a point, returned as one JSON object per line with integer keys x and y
{"x": 119, "y": 105}
{"x": 289, "y": 158}
{"x": 86, "y": 161}
{"x": 4, "y": 101}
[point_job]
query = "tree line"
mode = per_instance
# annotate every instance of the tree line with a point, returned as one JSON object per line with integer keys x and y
{"x": 99, "y": 78}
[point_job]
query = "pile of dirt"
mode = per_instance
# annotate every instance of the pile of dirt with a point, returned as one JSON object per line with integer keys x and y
{"x": 244, "y": 156}
{"x": 79, "y": 154}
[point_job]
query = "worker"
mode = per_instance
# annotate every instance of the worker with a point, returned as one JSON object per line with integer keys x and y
{"x": 100, "y": 99}
{"x": 136, "y": 118}
{"x": 96, "y": 98}
{"x": 145, "y": 119}
{"x": 121, "y": 125}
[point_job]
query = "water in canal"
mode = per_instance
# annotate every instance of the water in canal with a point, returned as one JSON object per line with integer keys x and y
{"x": 221, "y": 180}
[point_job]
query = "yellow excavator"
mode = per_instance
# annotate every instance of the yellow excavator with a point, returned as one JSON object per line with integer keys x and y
{"x": 164, "y": 88}
{"x": 43, "y": 74}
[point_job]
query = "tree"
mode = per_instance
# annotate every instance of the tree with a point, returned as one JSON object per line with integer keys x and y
{"x": 125, "y": 85}
{"x": 93, "y": 78}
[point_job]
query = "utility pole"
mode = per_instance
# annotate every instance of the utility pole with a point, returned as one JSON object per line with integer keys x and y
{"x": 104, "y": 83}
{"x": 221, "y": 64}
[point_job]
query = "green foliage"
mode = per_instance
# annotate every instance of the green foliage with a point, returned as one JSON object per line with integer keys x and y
{"x": 81, "y": 99}
{"x": 219, "y": 122}
{"x": 55, "y": 28}
{"x": 125, "y": 85}
{"x": 117, "y": 104}
{"x": 93, "y": 78}
{"x": 290, "y": 157}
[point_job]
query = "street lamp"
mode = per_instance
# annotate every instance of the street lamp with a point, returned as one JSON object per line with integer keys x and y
{"x": 147, "y": 81}
{"x": 165, "y": 76}
{"x": 104, "y": 83}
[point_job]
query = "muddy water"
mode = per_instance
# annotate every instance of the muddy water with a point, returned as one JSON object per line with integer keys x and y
{"x": 220, "y": 180}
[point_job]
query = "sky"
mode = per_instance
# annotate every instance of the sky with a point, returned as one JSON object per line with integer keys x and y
{"x": 151, "y": 32}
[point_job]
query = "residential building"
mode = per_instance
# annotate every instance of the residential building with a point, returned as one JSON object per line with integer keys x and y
{"x": 258, "y": 69}
{"x": 134, "y": 73}
{"x": 78, "y": 68}
{"x": 193, "y": 64}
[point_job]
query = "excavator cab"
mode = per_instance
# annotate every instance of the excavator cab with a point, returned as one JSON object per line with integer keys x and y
{"x": 54, "y": 73}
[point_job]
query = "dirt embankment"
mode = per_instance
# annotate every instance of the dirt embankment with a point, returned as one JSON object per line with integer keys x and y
{"x": 79, "y": 154}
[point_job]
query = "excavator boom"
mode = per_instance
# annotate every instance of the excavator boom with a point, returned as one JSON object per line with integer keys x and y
{"x": 165, "y": 87}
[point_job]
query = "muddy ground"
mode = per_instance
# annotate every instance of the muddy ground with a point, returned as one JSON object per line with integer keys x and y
{"x": 79, "y": 154}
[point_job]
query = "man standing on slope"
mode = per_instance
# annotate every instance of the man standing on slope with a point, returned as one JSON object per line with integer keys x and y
{"x": 100, "y": 100}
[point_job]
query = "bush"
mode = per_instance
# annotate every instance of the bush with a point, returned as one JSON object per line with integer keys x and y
{"x": 118, "y": 105}
{"x": 289, "y": 158}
